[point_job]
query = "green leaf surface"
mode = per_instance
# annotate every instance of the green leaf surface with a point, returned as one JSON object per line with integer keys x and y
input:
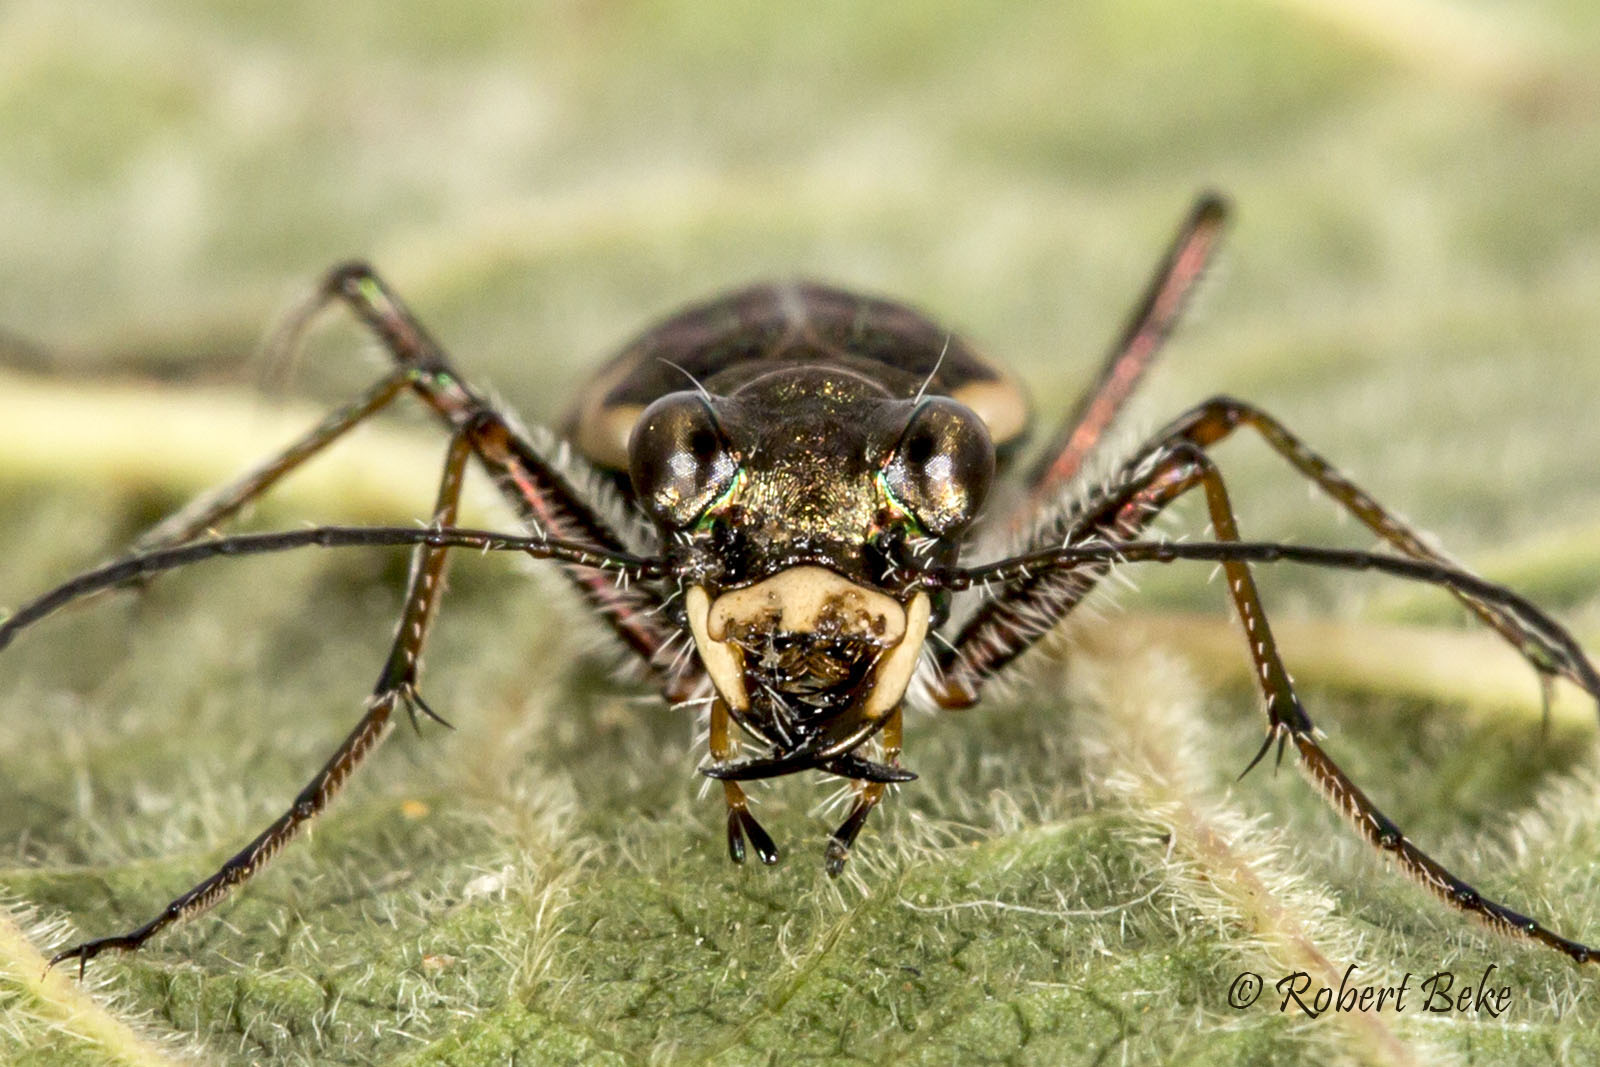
{"x": 1076, "y": 876}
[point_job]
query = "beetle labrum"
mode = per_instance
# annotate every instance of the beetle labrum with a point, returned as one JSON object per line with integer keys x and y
{"x": 765, "y": 499}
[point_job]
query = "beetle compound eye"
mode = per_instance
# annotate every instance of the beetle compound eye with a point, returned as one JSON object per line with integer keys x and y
{"x": 940, "y": 469}
{"x": 678, "y": 459}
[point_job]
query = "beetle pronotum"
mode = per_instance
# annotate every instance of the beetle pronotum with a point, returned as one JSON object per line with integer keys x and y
{"x": 766, "y": 500}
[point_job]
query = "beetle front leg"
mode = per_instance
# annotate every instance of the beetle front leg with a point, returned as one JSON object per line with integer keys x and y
{"x": 532, "y": 478}
{"x": 1288, "y": 721}
{"x": 396, "y": 686}
{"x": 1006, "y": 625}
{"x": 1384, "y": 835}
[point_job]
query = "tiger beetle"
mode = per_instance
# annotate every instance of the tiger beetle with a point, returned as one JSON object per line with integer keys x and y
{"x": 765, "y": 498}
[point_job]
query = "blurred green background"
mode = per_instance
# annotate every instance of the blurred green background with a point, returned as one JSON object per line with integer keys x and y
{"x": 1411, "y": 284}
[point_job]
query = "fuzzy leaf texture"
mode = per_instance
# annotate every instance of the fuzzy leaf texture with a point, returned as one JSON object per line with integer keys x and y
{"x": 1076, "y": 876}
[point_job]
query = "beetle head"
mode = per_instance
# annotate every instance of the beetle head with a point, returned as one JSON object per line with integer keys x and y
{"x": 799, "y": 507}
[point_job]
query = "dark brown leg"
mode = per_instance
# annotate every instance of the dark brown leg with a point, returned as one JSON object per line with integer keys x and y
{"x": 1287, "y": 721}
{"x": 525, "y": 470}
{"x": 544, "y": 498}
{"x": 1212, "y": 422}
{"x": 868, "y": 794}
{"x": 397, "y": 685}
{"x": 538, "y": 491}
{"x": 1152, "y": 321}
{"x": 1180, "y": 470}
{"x": 1006, "y": 625}
{"x": 1003, "y": 628}
{"x": 204, "y": 512}
{"x": 1174, "y": 474}
{"x": 1385, "y": 836}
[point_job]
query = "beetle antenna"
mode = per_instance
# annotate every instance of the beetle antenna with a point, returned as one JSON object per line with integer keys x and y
{"x": 1555, "y": 650}
{"x": 144, "y": 564}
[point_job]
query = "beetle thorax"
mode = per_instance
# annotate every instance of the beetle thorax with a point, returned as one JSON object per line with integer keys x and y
{"x": 800, "y": 501}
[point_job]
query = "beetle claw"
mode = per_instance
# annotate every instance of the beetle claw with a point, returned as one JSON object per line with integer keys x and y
{"x": 742, "y": 824}
{"x": 838, "y": 847}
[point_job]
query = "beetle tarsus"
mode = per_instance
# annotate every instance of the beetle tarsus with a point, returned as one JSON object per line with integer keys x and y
{"x": 88, "y": 950}
{"x": 839, "y": 845}
{"x": 735, "y": 837}
{"x": 760, "y": 840}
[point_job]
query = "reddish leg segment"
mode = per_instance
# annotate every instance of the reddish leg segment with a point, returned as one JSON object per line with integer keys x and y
{"x": 1135, "y": 350}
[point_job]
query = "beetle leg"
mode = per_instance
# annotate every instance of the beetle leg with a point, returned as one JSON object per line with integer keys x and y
{"x": 545, "y": 498}
{"x": 213, "y": 507}
{"x": 740, "y": 822}
{"x": 524, "y": 473}
{"x": 1384, "y": 835}
{"x": 1213, "y": 421}
{"x": 524, "y": 468}
{"x": 1009, "y": 623}
{"x": 868, "y": 794}
{"x": 1087, "y": 560}
{"x": 1002, "y": 628}
{"x": 1150, "y": 324}
{"x": 396, "y": 686}
{"x": 1182, "y": 469}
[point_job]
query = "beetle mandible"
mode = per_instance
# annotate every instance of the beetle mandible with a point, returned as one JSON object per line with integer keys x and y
{"x": 766, "y": 499}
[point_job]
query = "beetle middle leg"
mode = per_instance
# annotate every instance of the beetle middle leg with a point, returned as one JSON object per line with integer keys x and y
{"x": 1204, "y": 426}
{"x": 545, "y": 498}
{"x": 1003, "y": 628}
{"x": 1213, "y": 421}
{"x": 200, "y": 514}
